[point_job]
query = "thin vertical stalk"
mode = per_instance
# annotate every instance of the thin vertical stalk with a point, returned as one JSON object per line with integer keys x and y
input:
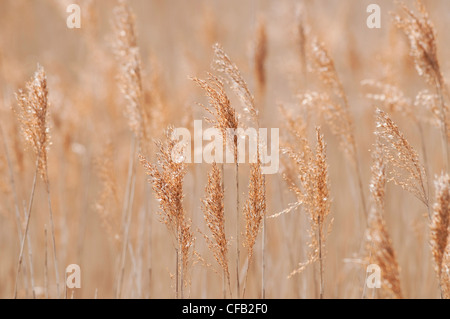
{"x": 126, "y": 214}
{"x": 46, "y": 264}
{"x": 444, "y": 128}
{"x": 30, "y": 262}
{"x": 320, "y": 260}
{"x": 263, "y": 271}
{"x": 181, "y": 267}
{"x": 237, "y": 227}
{"x": 17, "y": 212}
{"x": 30, "y": 205}
{"x": 425, "y": 159}
{"x": 52, "y": 225}
{"x": 177, "y": 273}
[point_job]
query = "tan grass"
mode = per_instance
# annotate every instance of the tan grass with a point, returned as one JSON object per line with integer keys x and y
{"x": 167, "y": 180}
{"x": 214, "y": 214}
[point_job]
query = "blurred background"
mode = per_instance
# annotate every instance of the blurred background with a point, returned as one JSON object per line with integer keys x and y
{"x": 90, "y": 139}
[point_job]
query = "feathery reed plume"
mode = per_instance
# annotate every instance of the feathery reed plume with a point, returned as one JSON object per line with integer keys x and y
{"x": 439, "y": 232}
{"x": 214, "y": 213}
{"x": 127, "y": 54}
{"x": 394, "y": 100}
{"x": 423, "y": 45}
{"x": 224, "y": 64}
{"x": 33, "y": 117}
{"x": 314, "y": 195}
{"x": 405, "y": 167}
{"x": 224, "y": 115}
{"x": 254, "y": 209}
{"x": 167, "y": 181}
{"x": 379, "y": 244}
{"x": 260, "y": 56}
{"x": 423, "y": 48}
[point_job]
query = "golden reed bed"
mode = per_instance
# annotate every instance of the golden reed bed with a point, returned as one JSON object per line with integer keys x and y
{"x": 107, "y": 190}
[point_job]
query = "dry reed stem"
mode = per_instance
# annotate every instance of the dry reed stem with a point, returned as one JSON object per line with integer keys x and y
{"x": 46, "y": 263}
{"x": 445, "y": 275}
{"x": 17, "y": 211}
{"x": 259, "y": 60}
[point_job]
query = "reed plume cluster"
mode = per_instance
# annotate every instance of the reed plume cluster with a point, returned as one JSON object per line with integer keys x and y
{"x": 312, "y": 192}
{"x": 405, "y": 168}
{"x": 335, "y": 112}
{"x": 423, "y": 48}
{"x": 33, "y": 117}
{"x": 354, "y": 118}
{"x": 130, "y": 82}
{"x": 214, "y": 213}
{"x": 130, "y": 75}
{"x": 167, "y": 181}
{"x": 224, "y": 116}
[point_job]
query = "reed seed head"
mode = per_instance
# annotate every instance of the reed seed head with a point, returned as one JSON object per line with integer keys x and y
{"x": 33, "y": 116}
